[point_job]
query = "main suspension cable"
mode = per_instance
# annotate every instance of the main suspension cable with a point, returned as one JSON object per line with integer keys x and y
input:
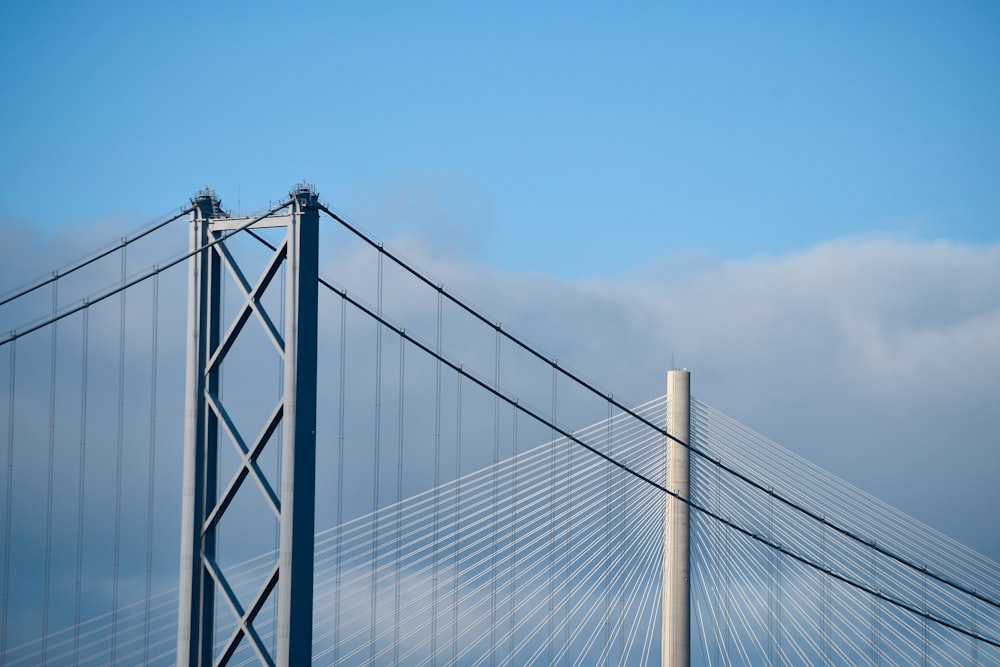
{"x": 512, "y": 401}
{"x": 62, "y": 273}
{"x": 149, "y": 273}
{"x": 867, "y": 542}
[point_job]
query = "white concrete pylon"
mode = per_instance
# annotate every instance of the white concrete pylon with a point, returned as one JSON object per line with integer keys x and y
{"x": 676, "y": 628}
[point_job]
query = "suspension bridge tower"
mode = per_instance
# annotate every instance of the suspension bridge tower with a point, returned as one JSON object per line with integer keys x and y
{"x": 207, "y": 422}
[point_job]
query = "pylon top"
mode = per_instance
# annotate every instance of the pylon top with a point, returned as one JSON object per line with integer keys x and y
{"x": 208, "y": 204}
{"x": 305, "y": 194}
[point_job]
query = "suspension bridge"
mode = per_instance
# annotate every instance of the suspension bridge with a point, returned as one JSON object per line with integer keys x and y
{"x": 273, "y": 440}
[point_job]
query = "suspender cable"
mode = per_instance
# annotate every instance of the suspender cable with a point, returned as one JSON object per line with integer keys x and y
{"x": 825, "y": 598}
{"x": 609, "y": 437}
{"x": 399, "y": 499}
{"x": 494, "y": 536}
{"x": 377, "y": 456}
{"x": 51, "y": 473}
{"x": 151, "y": 476}
{"x": 340, "y": 478}
{"x": 875, "y": 619}
{"x": 513, "y": 532}
{"x": 568, "y": 584}
{"x": 81, "y": 496}
{"x": 9, "y": 500}
{"x": 119, "y": 461}
{"x": 458, "y": 514}
{"x": 552, "y": 483}
{"x": 923, "y": 601}
{"x": 62, "y": 273}
{"x": 771, "y": 585}
{"x": 437, "y": 474}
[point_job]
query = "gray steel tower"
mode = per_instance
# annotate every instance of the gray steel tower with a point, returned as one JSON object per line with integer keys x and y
{"x": 207, "y": 421}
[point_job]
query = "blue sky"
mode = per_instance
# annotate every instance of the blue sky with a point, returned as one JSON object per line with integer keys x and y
{"x": 572, "y": 139}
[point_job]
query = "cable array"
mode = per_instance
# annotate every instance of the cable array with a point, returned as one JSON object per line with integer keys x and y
{"x": 579, "y": 381}
{"x": 822, "y": 621}
{"x": 625, "y": 614}
{"x": 72, "y": 505}
{"x": 736, "y": 617}
{"x": 83, "y": 263}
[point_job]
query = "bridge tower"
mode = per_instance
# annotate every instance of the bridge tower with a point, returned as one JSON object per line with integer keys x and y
{"x": 206, "y": 422}
{"x": 676, "y": 621}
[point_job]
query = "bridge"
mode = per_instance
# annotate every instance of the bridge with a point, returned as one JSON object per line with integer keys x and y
{"x": 274, "y": 440}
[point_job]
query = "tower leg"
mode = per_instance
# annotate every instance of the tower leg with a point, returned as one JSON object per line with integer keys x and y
{"x": 298, "y": 455}
{"x": 196, "y": 600}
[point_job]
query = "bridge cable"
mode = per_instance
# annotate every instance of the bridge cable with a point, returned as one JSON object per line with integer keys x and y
{"x": 437, "y": 472}
{"x": 151, "y": 476}
{"x": 458, "y": 514}
{"x": 513, "y": 530}
{"x": 399, "y": 494}
{"x": 496, "y": 461}
{"x": 62, "y": 273}
{"x": 46, "y": 587}
{"x": 609, "y": 438}
{"x": 627, "y": 410}
{"x": 376, "y": 459}
{"x": 552, "y": 533}
{"x": 484, "y": 384}
{"x": 909, "y": 588}
{"x": 149, "y": 273}
{"x": 484, "y": 474}
{"x": 822, "y": 491}
{"x": 9, "y": 501}
{"x": 119, "y": 463}
{"x": 565, "y": 505}
{"x": 81, "y": 483}
{"x": 340, "y": 474}
{"x": 923, "y": 637}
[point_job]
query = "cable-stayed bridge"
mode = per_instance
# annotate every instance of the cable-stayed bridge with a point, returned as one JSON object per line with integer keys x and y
{"x": 169, "y": 401}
